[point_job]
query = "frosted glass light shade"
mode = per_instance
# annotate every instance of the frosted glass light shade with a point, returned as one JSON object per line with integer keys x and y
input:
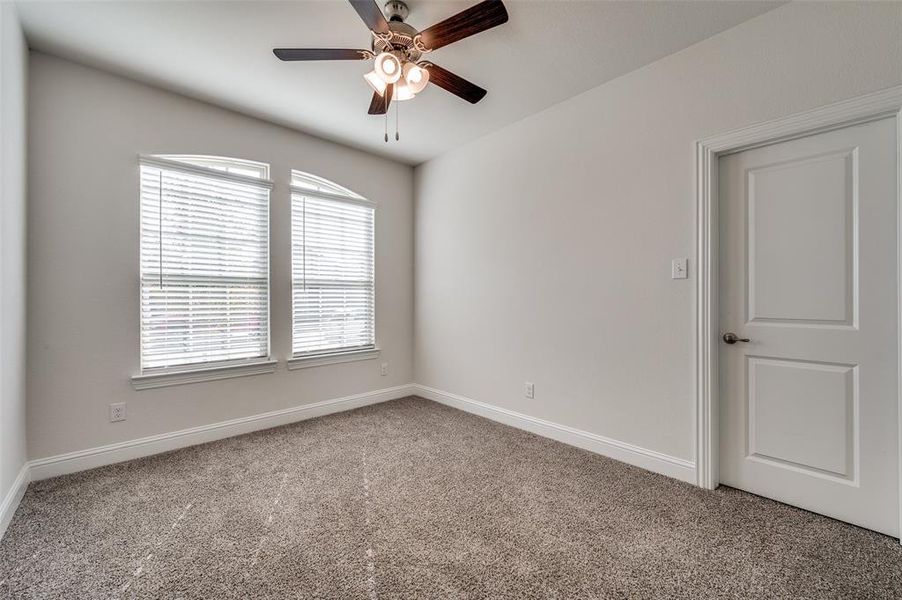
{"x": 403, "y": 92}
{"x": 375, "y": 82}
{"x": 416, "y": 77}
{"x": 388, "y": 67}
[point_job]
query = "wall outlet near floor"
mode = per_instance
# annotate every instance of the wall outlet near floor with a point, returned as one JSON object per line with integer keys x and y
{"x": 384, "y": 370}
{"x": 117, "y": 412}
{"x": 530, "y": 390}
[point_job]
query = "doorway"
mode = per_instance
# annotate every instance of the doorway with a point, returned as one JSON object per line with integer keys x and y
{"x": 798, "y": 254}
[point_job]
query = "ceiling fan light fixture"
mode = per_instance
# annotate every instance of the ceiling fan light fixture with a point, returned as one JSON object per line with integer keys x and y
{"x": 403, "y": 92}
{"x": 375, "y": 82}
{"x": 416, "y": 77}
{"x": 395, "y": 47}
{"x": 388, "y": 67}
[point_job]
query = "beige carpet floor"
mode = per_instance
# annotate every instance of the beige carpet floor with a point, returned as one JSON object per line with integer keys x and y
{"x": 410, "y": 499}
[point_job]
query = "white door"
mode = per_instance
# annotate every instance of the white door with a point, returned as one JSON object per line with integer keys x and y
{"x": 809, "y": 406}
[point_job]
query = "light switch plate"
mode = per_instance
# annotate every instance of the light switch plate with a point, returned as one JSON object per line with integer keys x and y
{"x": 679, "y": 268}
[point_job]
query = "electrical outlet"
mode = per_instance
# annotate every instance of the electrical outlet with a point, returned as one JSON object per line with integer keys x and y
{"x": 384, "y": 369}
{"x": 530, "y": 390}
{"x": 117, "y": 412}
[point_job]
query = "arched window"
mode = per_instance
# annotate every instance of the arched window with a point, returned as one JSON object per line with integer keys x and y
{"x": 235, "y": 166}
{"x": 332, "y": 268}
{"x": 312, "y": 183}
{"x": 204, "y": 262}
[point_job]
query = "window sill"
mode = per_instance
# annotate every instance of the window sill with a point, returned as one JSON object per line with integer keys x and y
{"x": 318, "y": 360}
{"x": 197, "y": 375}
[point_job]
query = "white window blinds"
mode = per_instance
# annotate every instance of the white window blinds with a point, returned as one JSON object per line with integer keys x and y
{"x": 332, "y": 268}
{"x": 204, "y": 264}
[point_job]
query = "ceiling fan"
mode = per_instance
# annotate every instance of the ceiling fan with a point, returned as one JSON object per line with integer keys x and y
{"x": 397, "y": 50}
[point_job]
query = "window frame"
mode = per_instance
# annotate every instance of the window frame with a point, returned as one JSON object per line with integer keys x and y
{"x": 154, "y": 377}
{"x": 309, "y": 185}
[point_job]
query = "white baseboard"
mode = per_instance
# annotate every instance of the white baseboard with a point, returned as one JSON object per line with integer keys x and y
{"x": 82, "y": 460}
{"x": 650, "y": 460}
{"x": 13, "y": 497}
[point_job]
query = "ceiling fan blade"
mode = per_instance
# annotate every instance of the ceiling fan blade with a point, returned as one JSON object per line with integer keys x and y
{"x": 371, "y": 14}
{"x": 458, "y": 86}
{"x": 321, "y": 54}
{"x": 379, "y": 104}
{"x": 477, "y": 18}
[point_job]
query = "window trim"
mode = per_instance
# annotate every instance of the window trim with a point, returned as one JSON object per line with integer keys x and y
{"x": 294, "y": 189}
{"x": 313, "y": 183}
{"x": 209, "y": 161}
{"x": 331, "y": 356}
{"x": 320, "y": 359}
{"x": 155, "y": 377}
{"x": 168, "y": 376}
{"x": 185, "y": 167}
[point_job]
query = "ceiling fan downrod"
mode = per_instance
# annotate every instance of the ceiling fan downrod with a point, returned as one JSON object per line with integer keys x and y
{"x": 396, "y": 11}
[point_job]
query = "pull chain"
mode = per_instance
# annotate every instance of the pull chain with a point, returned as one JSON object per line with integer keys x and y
{"x": 397, "y": 112}
{"x": 386, "y": 127}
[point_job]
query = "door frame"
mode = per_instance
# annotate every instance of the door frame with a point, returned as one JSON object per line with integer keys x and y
{"x": 863, "y": 109}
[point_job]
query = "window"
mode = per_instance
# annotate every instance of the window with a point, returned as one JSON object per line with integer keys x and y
{"x": 204, "y": 262}
{"x": 234, "y": 166}
{"x": 331, "y": 268}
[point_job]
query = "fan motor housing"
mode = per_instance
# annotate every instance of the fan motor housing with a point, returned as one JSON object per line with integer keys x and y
{"x": 400, "y": 36}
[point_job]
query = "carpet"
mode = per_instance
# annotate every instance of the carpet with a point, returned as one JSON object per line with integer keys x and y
{"x": 412, "y": 499}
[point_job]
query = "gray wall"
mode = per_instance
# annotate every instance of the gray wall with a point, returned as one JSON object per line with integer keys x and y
{"x": 13, "y": 61}
{"x": 86, "y": 130}
{"x": 543, "y": 250}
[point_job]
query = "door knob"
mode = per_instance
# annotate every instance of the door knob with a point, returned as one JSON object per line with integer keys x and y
{"x": 732, "y": 338}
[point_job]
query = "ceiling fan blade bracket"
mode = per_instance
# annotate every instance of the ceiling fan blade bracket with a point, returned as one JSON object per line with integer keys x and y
{"x": 381, "y": 41}
{"x": 419, "y": 45}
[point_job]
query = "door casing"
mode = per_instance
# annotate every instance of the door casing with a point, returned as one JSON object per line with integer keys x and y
{"x": 863, "y": 109}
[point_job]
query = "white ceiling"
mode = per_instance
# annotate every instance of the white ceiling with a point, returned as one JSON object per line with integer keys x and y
{"x": 220, "y": 51}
